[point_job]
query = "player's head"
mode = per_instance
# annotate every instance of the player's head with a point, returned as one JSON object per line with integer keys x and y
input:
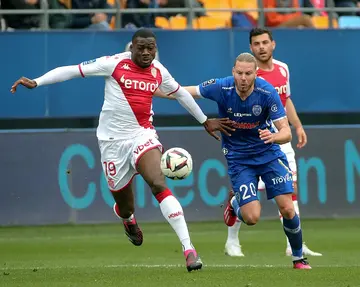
{"x": 143, "y": 47}
{"x": 244, "y": 72}
{"x": 262, "y": 44}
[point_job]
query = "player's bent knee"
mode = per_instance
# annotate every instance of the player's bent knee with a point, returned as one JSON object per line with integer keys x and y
{"x": 287, "y": 211}
{"x": 251, "y": 219}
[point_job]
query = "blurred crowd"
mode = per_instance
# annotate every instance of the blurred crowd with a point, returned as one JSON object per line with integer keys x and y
{"x": 103, "y": 21}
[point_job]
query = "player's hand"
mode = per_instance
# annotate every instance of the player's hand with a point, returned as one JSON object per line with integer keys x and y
{"x": 223, "y": 125}
{"x": 302, "y": 137}
{"x": 266, "y": 136}
{"x": 30, "y": 84}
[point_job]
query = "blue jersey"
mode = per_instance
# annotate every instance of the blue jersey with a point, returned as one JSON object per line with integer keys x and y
{"x": 256, "y": 112}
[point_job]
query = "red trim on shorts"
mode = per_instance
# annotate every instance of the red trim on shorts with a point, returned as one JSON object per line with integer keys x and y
{"x": 294, "y": 197}
{"x": 162, "y": 195}
{"x": 146, "y": 150}
{"x": 81, "y": 72}
{"x": 126, "y": 185}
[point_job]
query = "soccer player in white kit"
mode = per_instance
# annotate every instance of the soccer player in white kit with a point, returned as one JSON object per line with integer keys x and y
{"x": 276, "y": 73}
{"x": 127, "y": 139}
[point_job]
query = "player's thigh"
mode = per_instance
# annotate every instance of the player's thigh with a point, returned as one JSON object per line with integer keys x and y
{"x": 244, "y": 182}
{"x": 277, "y": 177}
{"x": 146, "y": 157}
{"x": 116, "y": 163}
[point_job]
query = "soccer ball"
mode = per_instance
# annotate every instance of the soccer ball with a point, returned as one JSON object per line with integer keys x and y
{"x": 176, "y": 163}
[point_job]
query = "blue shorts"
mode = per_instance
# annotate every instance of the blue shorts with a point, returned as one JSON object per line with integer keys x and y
{"x": 276, "y": 175}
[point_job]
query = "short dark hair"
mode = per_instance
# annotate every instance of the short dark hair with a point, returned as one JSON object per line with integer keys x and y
{"x": 259, "y": 31}
{"x": 143, "y": 33}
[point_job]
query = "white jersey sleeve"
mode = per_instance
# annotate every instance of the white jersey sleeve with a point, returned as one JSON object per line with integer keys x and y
{"x": 168, "y": 85}
{"x": 103, "y": 66}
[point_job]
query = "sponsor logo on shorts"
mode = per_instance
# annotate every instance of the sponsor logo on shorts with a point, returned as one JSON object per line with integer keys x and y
{"x": 282, "y": 179}
{"x": 176, "y": 214}
{"x": 141, "y": 147}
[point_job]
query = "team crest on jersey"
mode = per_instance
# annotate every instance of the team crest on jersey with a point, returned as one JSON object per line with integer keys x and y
{"x": 225, "y": 151}
{"x": 209, "y": 82}
{"x": 153, "y": 72}
{"x": 282, "y": 71}
{"x": 89, "y": 62}
{"x": 256, "y": 109}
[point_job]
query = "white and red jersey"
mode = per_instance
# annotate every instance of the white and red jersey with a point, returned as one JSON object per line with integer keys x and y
{"x": 127, "y": 108}
{"x": 279, "y": 77}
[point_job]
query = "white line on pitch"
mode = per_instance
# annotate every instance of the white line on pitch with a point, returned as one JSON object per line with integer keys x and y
{"x": 170, "y": 266}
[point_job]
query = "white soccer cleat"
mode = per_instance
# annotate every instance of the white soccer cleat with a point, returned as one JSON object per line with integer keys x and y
{"x": 306, "y": 251}
{"x": 233, "y": 249}
{"x": 309, "y": 252}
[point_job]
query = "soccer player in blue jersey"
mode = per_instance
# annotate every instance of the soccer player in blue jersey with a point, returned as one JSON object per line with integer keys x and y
{"x": 253, "y": 149}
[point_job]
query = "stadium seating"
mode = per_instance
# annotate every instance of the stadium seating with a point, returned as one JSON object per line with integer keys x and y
{"x": 218, "y": 4}
{"x": 246, "y": 4}
{"x": 178, "y": 22}
{"x": 162, "y": 22}
{"x": 349, "y": 22}
{"x": 322, "y": 22}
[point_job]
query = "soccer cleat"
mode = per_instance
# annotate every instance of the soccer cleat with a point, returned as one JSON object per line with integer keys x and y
{"x": 306, "y": 251}
{"x": 193, "y": 261}
{"x": 301, "y": 264}
{"x": 132, "y": 229}
{"x": 233, "y": 249}
{"x": 309, "y": 252}
{"x": 229, "y": 213}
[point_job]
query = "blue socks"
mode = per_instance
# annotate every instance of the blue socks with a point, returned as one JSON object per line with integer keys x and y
{"x": 293, "y": 232}
{"x": 235, "y": 205}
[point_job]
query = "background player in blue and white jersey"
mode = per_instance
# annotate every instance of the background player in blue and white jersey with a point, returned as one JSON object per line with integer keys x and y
{"x": 253, "y": 148}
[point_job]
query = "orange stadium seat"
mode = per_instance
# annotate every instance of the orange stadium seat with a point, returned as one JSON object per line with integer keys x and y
{"x": 322, "y": 22}
{"x": 162, "y": 22}
{"x": 245, "y": 4}
{"x": 209, "y": 22}
{"x": 178, "y": 23}
{"x": 214, "y": 4}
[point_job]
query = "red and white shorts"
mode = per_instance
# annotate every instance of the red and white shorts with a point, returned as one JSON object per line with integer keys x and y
{"x": 119, "y": 158}
{"x": 290, "y": 155}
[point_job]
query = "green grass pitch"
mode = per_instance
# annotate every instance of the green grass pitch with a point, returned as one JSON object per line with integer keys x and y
{"x": 100, "y": 255}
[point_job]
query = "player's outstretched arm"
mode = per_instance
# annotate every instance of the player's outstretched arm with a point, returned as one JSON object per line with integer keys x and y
{"x": 296, "y": 123}
{"x": 59, "y": 74}
{"x": 281, "y": 137}
{"x": 210, "y": 125}
{"x": 191, "y": 89}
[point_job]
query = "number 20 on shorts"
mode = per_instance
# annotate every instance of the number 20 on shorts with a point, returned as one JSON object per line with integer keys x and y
{"x": 247, "y": 191}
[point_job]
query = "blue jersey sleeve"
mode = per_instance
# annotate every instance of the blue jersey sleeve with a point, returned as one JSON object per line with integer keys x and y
{"x": 276, "y": 109}
{"x": 211, "y": 90}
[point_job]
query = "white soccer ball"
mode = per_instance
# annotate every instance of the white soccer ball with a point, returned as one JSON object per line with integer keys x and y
{"x": 176, "y": 163}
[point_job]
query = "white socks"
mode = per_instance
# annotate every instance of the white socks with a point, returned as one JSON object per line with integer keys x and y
{"x": 173, "y": 212}
{"x": 233, "y": 232}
